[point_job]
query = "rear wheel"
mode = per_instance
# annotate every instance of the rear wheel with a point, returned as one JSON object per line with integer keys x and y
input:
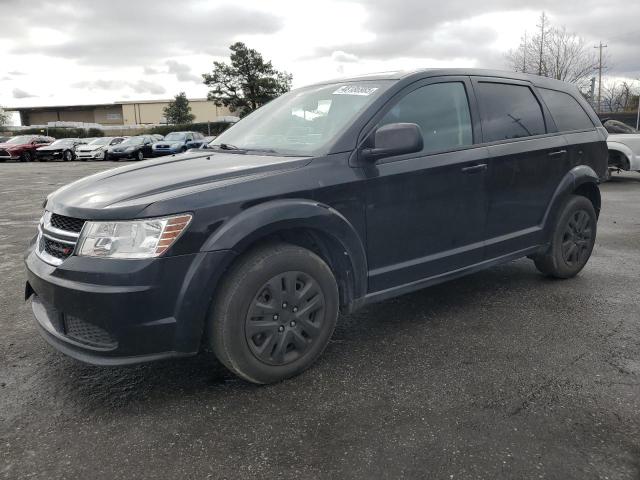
{"x": 67, "y": 156}
{"x": 274, "y": 313}
{"x": 573, "y": 239}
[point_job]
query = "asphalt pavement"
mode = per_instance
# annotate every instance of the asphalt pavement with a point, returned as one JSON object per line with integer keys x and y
{"x": 502, "y": 374}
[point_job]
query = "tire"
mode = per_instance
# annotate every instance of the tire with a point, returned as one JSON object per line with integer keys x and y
{"x": 140, "y": 155}
{"x": 67, "y": 156}
{"x": 574, "y": 236}
{"x": 26, "y": 157}
{"x": 301, "y": 317}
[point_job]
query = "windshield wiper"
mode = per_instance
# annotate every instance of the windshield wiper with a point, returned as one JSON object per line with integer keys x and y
{"x": 228, "y": 146}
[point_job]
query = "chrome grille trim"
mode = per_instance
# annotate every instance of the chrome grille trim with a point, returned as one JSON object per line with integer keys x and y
{"x": 49, "y": 232}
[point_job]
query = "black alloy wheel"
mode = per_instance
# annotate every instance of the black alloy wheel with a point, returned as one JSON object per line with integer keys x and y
{"x": 140, "y": 155}
{"x": 577, "y": 238}
{"x": 285, "y": 318}
{"x": 67, "y": 156}
{"x": 26, "y": 156}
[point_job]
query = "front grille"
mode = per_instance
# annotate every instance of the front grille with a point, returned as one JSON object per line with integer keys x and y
{"x": 66, "y": 223}
{"x": 56, "y": 249}
{"x": 88, "y": 333}
{"x": 4, "y": 153}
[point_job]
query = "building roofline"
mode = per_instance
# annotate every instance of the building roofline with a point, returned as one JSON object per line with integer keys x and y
{"x": 93, "y": 105}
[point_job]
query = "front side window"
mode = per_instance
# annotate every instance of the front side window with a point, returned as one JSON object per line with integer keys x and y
{"x": 565, "y": 110}
{"x": 441, "y": 111}
{"x": 509, "y": 111}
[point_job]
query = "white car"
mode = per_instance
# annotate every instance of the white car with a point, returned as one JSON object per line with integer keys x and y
{"x": 97, "y": 149}
{"x": 624, "y": 147}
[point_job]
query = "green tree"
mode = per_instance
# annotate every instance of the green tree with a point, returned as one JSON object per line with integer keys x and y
{"x": 4, "y": 117}
{"x": 247, "y": 83}
{"x": 178, "y": 111}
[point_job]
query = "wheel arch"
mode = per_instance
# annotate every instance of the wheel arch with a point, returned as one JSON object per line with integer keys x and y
{"x": 305, "y": 223}
{"x": 581, "y": 180}
{"x": 617, "y": 148}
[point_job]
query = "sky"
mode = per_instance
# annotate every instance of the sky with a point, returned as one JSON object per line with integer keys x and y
{"x": 59, "y": 52}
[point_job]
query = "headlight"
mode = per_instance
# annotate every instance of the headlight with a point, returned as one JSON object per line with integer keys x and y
{"x": 132, "y": 239}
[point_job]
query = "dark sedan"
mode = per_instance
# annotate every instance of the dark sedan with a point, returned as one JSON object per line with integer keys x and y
{"x": 63, "y": 149}
{"x": 137, "y": 148}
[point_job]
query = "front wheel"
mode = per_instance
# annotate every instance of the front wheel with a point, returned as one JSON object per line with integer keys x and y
{"x": 274, "y": 314}
{"x": 140, "y": 155}
{"x": 26, "y": 157}
{"x": 573, "y": 239}
{"x": 67, "y": 156}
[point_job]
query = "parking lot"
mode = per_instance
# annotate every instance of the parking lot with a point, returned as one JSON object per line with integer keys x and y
{"x": 502, "y": 374}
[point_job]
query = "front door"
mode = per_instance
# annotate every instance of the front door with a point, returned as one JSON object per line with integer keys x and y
{"x": 426, "y": 211}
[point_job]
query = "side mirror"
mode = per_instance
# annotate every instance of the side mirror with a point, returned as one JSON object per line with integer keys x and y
{"x": 394, "y": 139}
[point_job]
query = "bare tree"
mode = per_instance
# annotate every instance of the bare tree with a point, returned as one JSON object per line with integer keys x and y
{"x": 621, "y": 97}
{"x": 554, "y": 52}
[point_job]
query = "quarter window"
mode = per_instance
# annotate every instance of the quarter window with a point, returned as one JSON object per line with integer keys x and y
{"x": 565, "y": 110}
{"x": 441, "y": 111}
{"x": 509, "y": 111}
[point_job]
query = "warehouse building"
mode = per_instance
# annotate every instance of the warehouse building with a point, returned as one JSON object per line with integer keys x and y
{"x": 145, "y": 112}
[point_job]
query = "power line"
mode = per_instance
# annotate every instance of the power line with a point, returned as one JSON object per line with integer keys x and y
{"x": 601, "y": 46}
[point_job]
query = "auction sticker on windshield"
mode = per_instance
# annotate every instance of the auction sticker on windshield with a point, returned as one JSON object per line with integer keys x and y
{"x": 355, "y": 90}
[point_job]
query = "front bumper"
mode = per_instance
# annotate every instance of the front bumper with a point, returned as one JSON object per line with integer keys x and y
{"x": 163, "y": 152}
{"x": 119, "y": 155}
{"x": 48, "y": 155}
{"x": 9, "y": 157}
{"x": 90, "y": 155}
{"x": 116, "y": 312}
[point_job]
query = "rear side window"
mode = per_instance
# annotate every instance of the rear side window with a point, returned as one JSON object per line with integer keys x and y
{"x": 565, "y": 110}
{"x": 509, "y": 111}
{"x": 441, "y": 111}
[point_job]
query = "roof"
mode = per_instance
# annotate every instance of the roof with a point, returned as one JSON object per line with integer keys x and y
{"x": 90, "y": 106}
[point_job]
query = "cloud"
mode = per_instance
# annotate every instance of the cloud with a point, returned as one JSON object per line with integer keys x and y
{"x": 16, "y": 72}
{"x": 340, "y": 56}
{"x": 149, "y": 31}
{"x": 182, "y": 72}
{"x": 140, "y": 86}
{"x": 18, "y": 93}
{"x": 150, "y": 71}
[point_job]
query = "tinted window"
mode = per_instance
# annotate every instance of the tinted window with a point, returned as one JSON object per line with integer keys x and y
{"x": 509, "y": 111}
{"x": 565, "y": 110}
{"x": 441, "y": 111}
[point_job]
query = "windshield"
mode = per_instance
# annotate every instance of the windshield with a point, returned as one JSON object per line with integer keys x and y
{"x": 100, "y": 141}
{"x": 174, "y": 136}
{"x": 63, "y": 141}
{"x": 20, "y": 140}
{"x": 304, "y": 121}
{"x": 132, "y": 141}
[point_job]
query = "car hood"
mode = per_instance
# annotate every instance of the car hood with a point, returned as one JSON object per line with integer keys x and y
{"x": 13, "y": 145}
{"x": 171, "y": 143}
{"x": 632, "y": 140}
{"x": 126, "y": 191}
{"x": 53, "y": 149}
{"x": 89, "y": 148}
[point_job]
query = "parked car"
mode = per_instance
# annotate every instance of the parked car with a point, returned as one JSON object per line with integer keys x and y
{"x": 624, "y": 147}
{"x": 97, "y": 149}
{"x": 137, "y": 148}
{"x": 22, "y": 147}
{"x": 327, "y": 198}
{"x": 207, "y": 141}
{"x": 63, "y": 149}
{"x": 177, "y": 142}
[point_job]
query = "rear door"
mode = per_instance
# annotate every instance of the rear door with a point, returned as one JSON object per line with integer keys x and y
{"x": 528, "y": 158}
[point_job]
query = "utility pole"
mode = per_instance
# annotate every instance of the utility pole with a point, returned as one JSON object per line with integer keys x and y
{"x": 524, "y": 53}
{"x": 600, "y": 47}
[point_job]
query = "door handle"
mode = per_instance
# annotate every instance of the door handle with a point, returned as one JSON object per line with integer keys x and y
{"x": 557, "y": 153}
{"x": 475, "y": 168}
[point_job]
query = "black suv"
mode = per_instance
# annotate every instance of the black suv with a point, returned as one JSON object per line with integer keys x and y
{"x": 326, "y": 199}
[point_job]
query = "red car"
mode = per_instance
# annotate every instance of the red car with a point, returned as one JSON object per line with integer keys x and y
{"x": 22, "y": 147}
